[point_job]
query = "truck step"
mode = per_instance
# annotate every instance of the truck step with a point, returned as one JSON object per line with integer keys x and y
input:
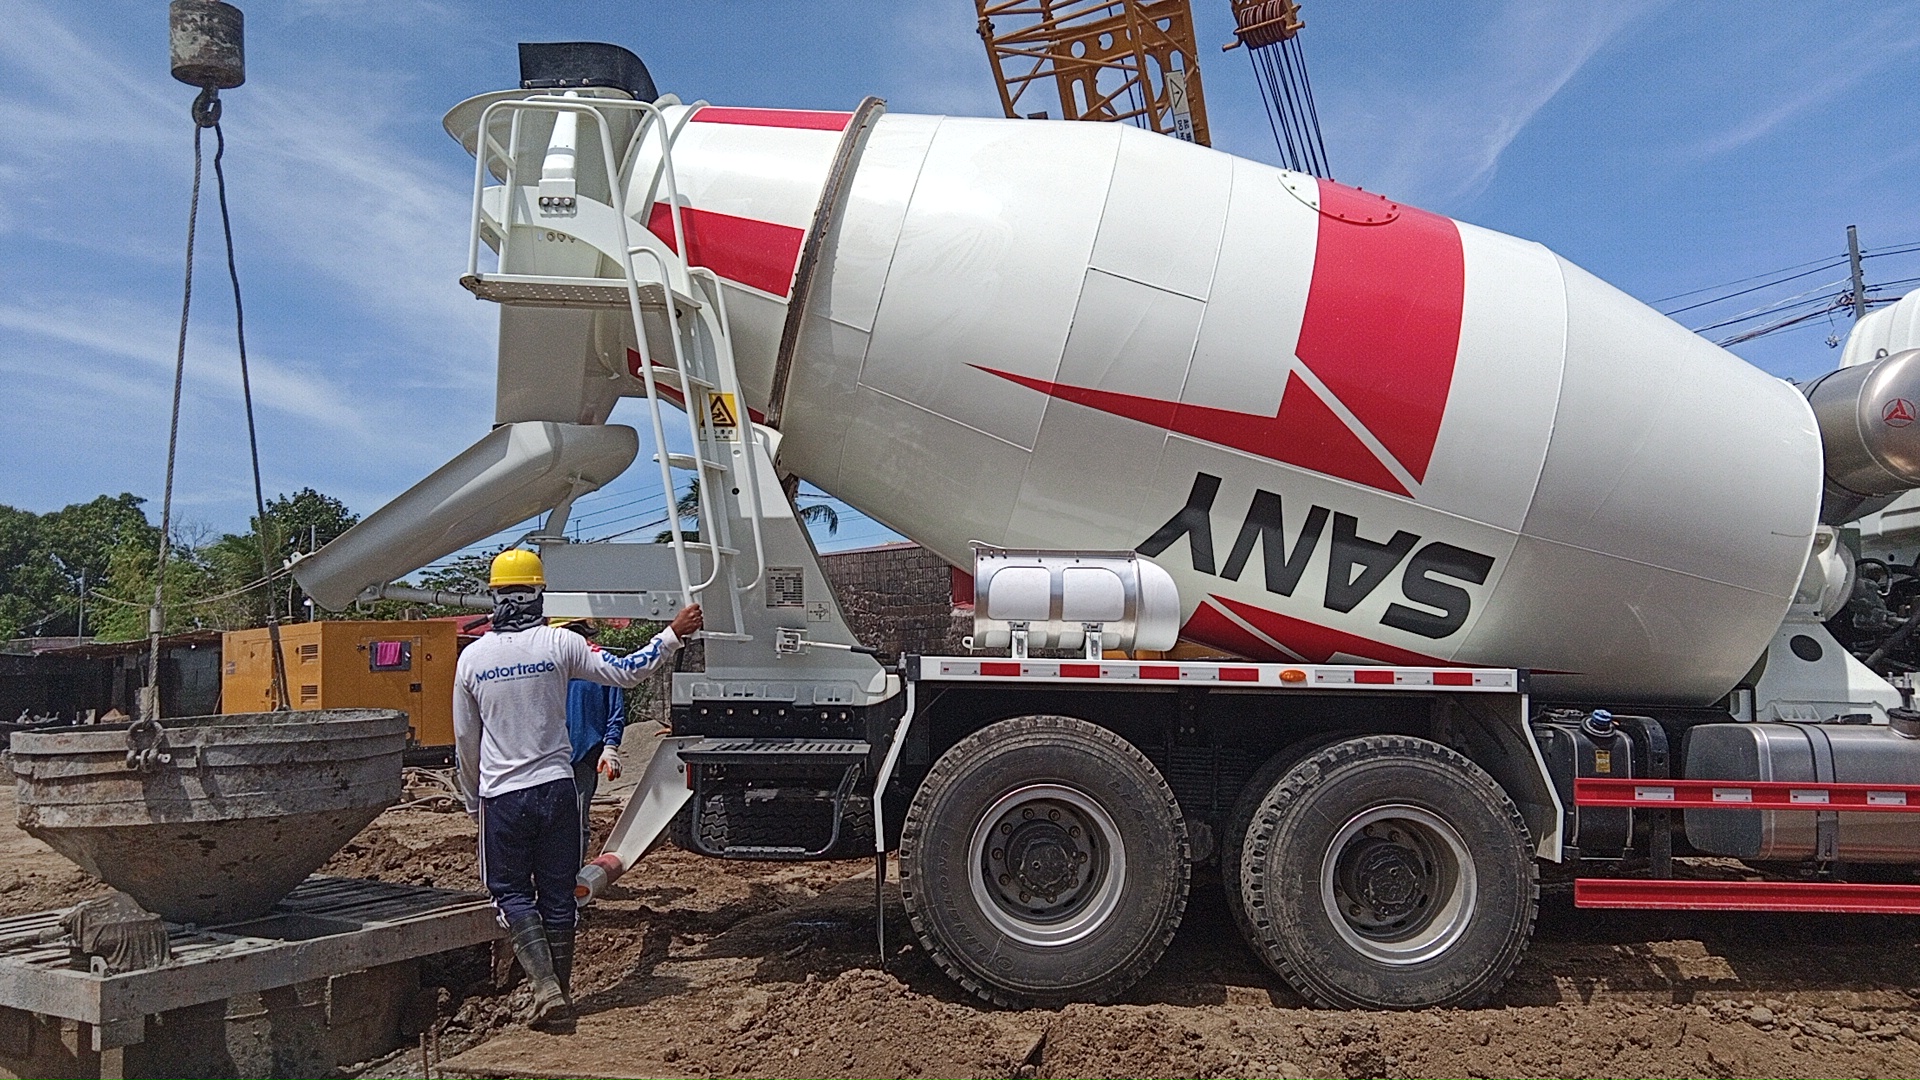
{"x": 776, "y": 752}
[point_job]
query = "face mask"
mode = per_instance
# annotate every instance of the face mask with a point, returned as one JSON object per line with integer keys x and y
{"x": 518, "y": 609}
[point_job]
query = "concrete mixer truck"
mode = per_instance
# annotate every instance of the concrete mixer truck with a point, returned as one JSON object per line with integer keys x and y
{"x": 1487, "y": 573}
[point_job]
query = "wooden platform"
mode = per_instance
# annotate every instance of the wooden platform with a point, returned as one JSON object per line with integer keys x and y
{"x": 328, "y": 926}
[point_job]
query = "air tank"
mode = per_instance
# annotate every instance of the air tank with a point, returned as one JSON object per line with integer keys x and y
{"x": 1352, "y": 430}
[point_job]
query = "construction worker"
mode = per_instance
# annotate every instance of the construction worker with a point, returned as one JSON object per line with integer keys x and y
{"x": 596, "y": 719}
{"x": 516, "y": 764}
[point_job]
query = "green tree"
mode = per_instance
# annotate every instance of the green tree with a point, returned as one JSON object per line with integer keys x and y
{"x": 47, "y": 559}
{"x": 124, "y": 602}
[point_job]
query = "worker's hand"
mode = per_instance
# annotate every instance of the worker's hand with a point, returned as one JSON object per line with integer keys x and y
{"x": 609, "y": 762}
{"x": 688, "y": 622}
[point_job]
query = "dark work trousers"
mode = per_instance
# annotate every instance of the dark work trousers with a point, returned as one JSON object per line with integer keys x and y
{"x": 586, "y": 780}
{"x": 530, "y": 851}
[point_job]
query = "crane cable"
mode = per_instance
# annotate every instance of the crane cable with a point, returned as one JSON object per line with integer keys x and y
{"x": 206, "y": 114}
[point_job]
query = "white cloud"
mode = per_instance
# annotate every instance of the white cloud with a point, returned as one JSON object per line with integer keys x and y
{"x": 1830, "y": 73}
{"x": 1438, "y": 141}
{"x": 108, "y": 328}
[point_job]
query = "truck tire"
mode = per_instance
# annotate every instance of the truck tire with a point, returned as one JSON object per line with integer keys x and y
{"x": 1389, "y": 872}
{"x": 1096, "y": 855}
{"x": 1233, "y": 840}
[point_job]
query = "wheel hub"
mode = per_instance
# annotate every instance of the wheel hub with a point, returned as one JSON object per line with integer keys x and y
{"x": 1049, "y": 866}
{"x": 1045, "y": 859}
{"x": 1388, "y": 879}
{"x": 1398, "y": 884}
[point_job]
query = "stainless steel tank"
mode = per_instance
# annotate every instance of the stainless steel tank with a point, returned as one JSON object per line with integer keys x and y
{"x": 209, "y": 819}
{"x": 1816, "y": 753}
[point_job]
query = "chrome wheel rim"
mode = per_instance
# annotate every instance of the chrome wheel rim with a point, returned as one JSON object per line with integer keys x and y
{"x": 1398, "y": 884}
{"x": 1046, "y": 865}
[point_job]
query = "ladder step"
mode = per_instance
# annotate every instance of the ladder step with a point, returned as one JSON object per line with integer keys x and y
{"x": 532, "y": 290}
{"x": 662, "y": 372}
{"x": 776, "y": 752}
{"x": 701, "y": 545}
{"x": 685, "y": 461}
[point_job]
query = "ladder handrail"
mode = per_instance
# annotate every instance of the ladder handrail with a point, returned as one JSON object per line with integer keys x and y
{"x": 699, "y": 427}
{"x": 746, "y": 435}
{"x": 617, "y": 192}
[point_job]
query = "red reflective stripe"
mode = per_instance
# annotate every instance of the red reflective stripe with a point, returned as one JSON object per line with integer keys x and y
{"x": 1158, "y": 671}
{"x": 1747, "y": 896}
{"x": 991, "y": 667}
{"x": 1453, "y": 678}
{"x": 1758, "y": 795}
{"x": 1080, "y": 671}
{"x": 1373, "y": 675}
{"x": 1382, "y": 324}
{"x": 762, "y": 254}
{"x": 1239, "y": 674}
{"x": 780, "y": 118}
{"x": 1315, "y": 642}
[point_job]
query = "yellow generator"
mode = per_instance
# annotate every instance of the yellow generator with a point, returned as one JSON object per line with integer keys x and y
{"x": 406, "y": 665}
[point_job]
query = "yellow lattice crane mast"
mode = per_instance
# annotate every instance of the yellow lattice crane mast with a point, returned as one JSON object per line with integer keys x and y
{"x": 1131, "y": 60}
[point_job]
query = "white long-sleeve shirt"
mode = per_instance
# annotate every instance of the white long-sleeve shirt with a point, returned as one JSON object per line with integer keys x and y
{"x": 510, "y": 703}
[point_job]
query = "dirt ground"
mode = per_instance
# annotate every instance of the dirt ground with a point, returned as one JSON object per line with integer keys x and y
{"x": 701, "y": 968}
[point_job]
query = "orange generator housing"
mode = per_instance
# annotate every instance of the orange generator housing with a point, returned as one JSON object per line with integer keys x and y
{"x": 361, "y": 664}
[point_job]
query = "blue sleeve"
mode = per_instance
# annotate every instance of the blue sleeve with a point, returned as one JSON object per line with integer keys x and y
{"x": 616, "y": 714}
{"x": 582, "y": 704}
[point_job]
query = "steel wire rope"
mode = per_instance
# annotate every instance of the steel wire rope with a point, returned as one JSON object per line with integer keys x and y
{"x": 206, "y": 114}
{"x": 281, "y": 697}
{"x": 207, "y": 102}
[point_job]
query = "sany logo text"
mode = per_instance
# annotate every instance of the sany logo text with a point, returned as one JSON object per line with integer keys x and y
{"x": 1355, "y": 566}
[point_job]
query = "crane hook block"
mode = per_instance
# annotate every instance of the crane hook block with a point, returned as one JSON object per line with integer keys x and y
{"x": 208, "y": 41}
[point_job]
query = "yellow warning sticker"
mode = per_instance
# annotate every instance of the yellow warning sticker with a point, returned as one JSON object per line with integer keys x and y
{"x": 723, "y": 414}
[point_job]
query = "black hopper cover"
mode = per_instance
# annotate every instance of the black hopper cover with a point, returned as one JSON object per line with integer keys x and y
{"x": 557, "y": 65}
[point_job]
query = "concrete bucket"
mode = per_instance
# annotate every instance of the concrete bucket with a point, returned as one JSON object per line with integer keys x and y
{"x": 209, "y": 819}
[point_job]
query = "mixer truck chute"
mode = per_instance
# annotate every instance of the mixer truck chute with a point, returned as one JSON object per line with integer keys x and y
{"x": 1494, "y": 502}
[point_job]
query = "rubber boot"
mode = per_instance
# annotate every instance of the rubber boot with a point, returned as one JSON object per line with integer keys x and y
{"x": 560, "y": 944}
{"x": 529, "y": 938}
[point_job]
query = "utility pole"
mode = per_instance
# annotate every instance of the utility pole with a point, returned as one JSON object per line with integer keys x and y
{"x": 1859, "y": 279}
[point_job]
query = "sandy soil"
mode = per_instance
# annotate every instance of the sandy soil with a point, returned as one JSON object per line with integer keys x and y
{"x": 703, "y": 968}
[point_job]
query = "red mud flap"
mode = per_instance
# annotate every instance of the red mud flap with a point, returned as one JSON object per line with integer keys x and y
{"x": 1747, "y": 896}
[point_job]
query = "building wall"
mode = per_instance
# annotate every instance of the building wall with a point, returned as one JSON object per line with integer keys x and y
{"x": 899, "y": 598}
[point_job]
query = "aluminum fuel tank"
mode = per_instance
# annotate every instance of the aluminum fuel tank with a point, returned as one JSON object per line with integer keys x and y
{"x": 1351, "y": 429}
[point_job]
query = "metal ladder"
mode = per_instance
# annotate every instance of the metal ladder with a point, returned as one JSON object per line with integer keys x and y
{"x": 683, "y": 300}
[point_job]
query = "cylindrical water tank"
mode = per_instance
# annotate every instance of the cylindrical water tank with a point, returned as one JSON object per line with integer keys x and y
{"x": 1351, "y": 430}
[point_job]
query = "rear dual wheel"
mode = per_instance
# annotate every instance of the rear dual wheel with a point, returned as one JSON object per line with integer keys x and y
{"x": 1044, "y": 860}
{"x": 1387, "y": 872}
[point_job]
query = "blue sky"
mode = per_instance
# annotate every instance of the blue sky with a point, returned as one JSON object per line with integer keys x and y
{"x": 1665, "y": 146}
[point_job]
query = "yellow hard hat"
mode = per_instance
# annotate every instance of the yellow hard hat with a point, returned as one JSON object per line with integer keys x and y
{"x": 516, "y": 567}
